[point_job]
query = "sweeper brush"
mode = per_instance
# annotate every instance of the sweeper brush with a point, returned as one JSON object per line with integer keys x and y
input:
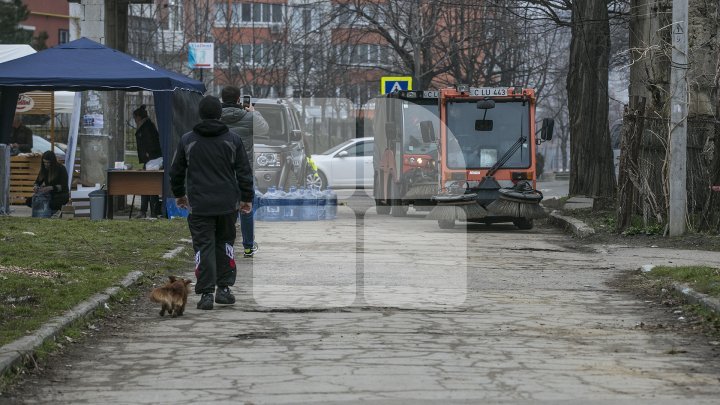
{"x": 423, "y": 191}
{"x": 462, "y": 207}
{"x": 520, "y": 201}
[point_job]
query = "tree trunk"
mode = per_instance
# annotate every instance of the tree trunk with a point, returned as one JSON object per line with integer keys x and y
{"x": 710, "y": 215}
{"x": 592, "y": 172}
{"x": 629, "y": 161}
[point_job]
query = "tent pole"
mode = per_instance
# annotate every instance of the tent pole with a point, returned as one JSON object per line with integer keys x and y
{"x": 52, "y": 121}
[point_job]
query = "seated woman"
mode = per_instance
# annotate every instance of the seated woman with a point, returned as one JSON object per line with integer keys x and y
{"x": 53, "y": 179}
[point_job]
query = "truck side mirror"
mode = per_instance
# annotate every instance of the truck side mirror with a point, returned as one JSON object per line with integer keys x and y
{"x": 391, "y": 132}
{"x": 428, "y": 131}
{"x": 295, "y": 135}
{"x": 548, "y": 126}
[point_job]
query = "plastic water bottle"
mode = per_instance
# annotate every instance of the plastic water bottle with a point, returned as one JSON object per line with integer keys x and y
{"x": 272, "y": 205}
{"x": 331, "y": 204}
{"x": 309, "y": 206}
{"x": 257, "y": 205}
{"x": 291, "y": 205}
{"x": 321, "y": 204}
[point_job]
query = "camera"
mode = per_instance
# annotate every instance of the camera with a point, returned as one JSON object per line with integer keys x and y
{"x": 246, "y": 101}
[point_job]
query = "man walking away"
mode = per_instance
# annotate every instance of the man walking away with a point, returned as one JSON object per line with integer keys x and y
{"x": 246, "y": 122}
{"x": 212, "y": 161}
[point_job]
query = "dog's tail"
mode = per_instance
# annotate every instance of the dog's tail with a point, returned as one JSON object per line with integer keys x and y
{"x": 158, "y": 295}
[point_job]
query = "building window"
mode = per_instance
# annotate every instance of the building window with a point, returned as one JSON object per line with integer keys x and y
{"x": 247, "y": 54}
{"x": 221, "y": 14}
{"x": 363, "y": 55}
{"x": 63, "y": 36}
{"x": 243, "y": 13}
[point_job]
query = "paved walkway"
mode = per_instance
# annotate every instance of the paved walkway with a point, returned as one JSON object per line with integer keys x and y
{"x": 394, "y": 310}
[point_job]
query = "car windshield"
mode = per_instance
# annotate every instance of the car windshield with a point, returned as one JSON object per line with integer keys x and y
{"x": 336, "y": 148}
{"x": 413, "y": 115}
{"x": 41, "y": 145}
{"x": 276, "y": 119}
{"x": 472, "y": 143}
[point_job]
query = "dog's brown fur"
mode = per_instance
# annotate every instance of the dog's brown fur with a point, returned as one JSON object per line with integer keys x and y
{"x": 173, "y": 296}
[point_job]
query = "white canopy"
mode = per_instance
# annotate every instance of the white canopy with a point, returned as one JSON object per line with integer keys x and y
{"x": 63, "y": 99}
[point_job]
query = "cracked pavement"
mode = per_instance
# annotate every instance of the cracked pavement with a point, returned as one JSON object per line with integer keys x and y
{"x": 394, "y": 310}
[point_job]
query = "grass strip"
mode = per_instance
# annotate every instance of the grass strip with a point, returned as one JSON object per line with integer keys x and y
{"x": 700, "y": 278}
{"x": 48, "y": 266}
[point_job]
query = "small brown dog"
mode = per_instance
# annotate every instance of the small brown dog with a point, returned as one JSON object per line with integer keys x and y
{"x": 173, "y": 296}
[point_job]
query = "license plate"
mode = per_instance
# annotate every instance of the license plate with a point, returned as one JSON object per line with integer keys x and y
{"x": 488, "y": 91}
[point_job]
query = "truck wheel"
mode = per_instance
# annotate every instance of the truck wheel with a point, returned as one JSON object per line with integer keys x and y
{"x": 446, "y": 223}
{"x": 396, "y": 203}
{"x": 523, "y": 223}
{"x": 381, "y": 209}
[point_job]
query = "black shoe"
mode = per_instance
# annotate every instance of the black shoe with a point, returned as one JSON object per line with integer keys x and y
{"x": 206, "y": 302}
{"x": 224, "y": 296}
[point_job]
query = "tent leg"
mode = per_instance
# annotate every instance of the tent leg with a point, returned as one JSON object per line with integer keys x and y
{"x": 132, "y": 205}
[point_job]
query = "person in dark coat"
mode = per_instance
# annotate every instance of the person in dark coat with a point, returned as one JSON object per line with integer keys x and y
{"x": 211, "y": 177}
{"x": 246, "y": 122}
{"x": 53, "y": 179}
{"x": 147, "y": 139}
{"x": 21, "y": 140}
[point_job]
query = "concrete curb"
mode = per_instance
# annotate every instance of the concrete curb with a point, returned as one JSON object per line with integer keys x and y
{"x": 579, "y": 228}
{"x": 694, "y": 297}
{"x": 15, "y": 353}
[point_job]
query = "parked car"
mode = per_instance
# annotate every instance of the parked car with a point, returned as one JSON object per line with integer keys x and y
{"x": 42, "y": 145}
{"x": 348, "y": 165}
{"x": 280, "y": 156}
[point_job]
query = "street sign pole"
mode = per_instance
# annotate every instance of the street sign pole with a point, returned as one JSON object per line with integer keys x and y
{"x": 678, "y": 119}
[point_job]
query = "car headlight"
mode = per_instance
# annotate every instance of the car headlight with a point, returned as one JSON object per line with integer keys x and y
{"x": 267, "y": 159}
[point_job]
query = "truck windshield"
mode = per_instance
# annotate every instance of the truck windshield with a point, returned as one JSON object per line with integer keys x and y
{"x": 469, "y": 148}
{"x": 413, "y": 115}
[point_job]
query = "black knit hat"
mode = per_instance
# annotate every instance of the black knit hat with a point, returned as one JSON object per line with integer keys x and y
{"x": 210, "y": 108}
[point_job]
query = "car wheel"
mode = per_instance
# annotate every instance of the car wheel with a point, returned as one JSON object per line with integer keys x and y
{"x": 319, "y": 181}
{"x": 446, "y": 223}
{"x": 523, "y": 223}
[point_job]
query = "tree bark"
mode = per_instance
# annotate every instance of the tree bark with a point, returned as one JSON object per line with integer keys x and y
{"x": 629, "y": 161}
{"x": 592, "y": 171}
{"x": 710, "y": 216}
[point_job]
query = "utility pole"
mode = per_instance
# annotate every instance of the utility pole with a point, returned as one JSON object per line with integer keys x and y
{"x": 678, "y": 118}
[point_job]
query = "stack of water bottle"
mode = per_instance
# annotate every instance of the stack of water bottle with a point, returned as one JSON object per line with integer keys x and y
{"x": 303, "y": 204}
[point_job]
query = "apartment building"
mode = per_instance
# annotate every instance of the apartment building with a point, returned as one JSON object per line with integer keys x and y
{"x": 49, "y": 18}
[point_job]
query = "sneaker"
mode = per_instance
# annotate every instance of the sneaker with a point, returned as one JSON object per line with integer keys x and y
{"x": 140, "y": 215}
{"x": 224, "y": 296}
{"x": 206, "y": 302}
{"x": 250, "y": 252}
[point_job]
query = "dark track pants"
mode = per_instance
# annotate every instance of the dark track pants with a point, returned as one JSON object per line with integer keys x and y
{"x": 213, "y": 241}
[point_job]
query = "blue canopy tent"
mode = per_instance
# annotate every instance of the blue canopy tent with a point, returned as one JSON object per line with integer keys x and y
{"x": 87, "y": 65}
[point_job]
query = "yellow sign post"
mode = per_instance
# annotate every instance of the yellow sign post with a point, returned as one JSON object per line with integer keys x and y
{"x": 388, "y": 84}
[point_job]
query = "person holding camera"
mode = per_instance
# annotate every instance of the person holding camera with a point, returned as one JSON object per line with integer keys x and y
{"x": 246, "y": 122}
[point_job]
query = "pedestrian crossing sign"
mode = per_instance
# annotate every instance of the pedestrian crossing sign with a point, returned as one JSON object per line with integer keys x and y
{"x": 388, "y": 84}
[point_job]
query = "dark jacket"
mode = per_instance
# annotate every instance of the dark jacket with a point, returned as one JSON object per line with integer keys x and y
{"x": 244, "y": 123}
{"x": 211, "y": 167}
{"x": 22, "y": 136}
{"x": 58, "y": 179}
{"x": 148, "y": 142}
